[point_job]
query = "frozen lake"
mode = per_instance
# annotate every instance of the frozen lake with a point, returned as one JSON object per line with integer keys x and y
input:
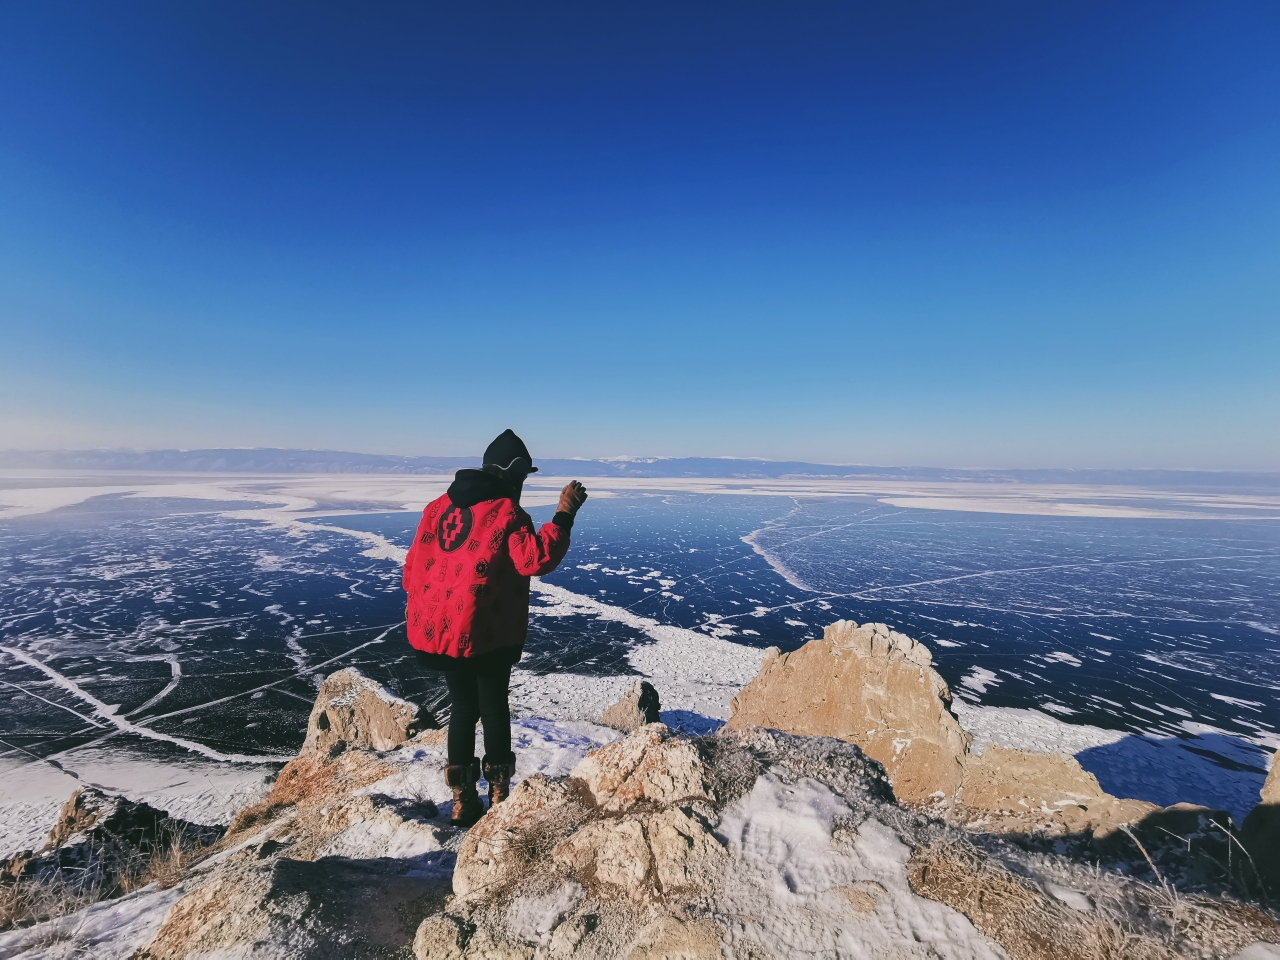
{"x": 186, "y": 627}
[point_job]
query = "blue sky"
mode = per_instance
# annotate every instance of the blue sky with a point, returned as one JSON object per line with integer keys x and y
{"x": 992, "y": 234}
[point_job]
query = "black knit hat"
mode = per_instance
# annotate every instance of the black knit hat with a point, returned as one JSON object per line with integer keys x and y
{"x": 504, "y": 453}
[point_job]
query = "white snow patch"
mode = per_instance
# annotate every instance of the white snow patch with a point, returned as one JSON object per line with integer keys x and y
{"x": 370, "y": 839}
{"x": 1235, "y": 702}
{"x": 787, "y": 874}
{"x": 1057, "y": 708}
{"x": 532, "y": 919}
{"x": 978, "y": 679}
{"x": 1061, "y": 656}
{"x": 110, "y": 930}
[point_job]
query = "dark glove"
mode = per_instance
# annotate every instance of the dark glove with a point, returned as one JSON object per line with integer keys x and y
{"x": 572, "y": 497}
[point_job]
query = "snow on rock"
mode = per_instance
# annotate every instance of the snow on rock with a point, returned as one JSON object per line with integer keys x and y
{"x": 111, "y": 930}
{"x": 98, "y": 846}
{"x": 750, "y": 843}
{"x": 788, "y": 891}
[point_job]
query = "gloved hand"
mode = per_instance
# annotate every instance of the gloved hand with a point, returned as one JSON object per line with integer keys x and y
{"x": 572, "y": 497}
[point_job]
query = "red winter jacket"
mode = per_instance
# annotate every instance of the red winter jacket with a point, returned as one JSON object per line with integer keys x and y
{"x": 467, "y": 575}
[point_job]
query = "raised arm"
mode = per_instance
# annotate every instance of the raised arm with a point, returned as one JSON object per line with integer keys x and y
{"x": 537, "y": 552}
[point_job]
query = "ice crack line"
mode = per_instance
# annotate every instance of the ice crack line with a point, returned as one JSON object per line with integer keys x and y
{"x": 109, "y": 714}
{"x": 175, "y": 671}
{"x": 868, "y": 591}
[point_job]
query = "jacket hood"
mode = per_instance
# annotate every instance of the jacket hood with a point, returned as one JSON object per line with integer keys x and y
{"x": 470, "y": 487}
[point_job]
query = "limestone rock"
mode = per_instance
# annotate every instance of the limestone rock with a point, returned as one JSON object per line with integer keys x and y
{"x": 317, "y": 779}
{"x": 639, "y": 707}
{"x": 1007, "y": 790}
{"x": 1271, "y": 788}
{"x": 522, "y": 828}
{"x": 650, "y": 764}
{"x": 445, "y": 937}
{"x": 361, "y": 713}
{"x": 870, "y": 686}
{"x": 684, "y": 849}
{"x": 610, "y": 852}
{"x": 675, "y": 938}
{"x": 646, "y": 857}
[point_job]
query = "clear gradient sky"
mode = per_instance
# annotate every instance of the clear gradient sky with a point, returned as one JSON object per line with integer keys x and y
{"x": 965, "y": 234}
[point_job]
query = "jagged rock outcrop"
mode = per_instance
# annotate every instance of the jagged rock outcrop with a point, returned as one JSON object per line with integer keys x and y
{"x": 665, "y": 845}
{"x": 1261, "y": 831}
{"x": 362, "y": 713}
{"x": 639, "y": 707}
{"x": 321, "y": 868}
{"x": 749, "y": 843}
{"x": 101, "y": 846}
{"x": 651, "y": 764}
{"x": 875, "y": 687}
{"x": 1012, "y": 791}
{"x": 790, "y": 846}
{"x": 871, "y": 686}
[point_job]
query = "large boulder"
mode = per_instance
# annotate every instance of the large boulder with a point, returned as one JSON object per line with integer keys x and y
{"x": 639, "y": 707}
{"x": 870, "y": 686}
{"x": 361, "y": 713}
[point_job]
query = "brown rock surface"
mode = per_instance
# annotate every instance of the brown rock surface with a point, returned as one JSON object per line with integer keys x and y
{"x": 611, "y": 853}
{"x": 1271, "y": 789}
{"x": 316, "y": 779}
{"x": 522, "y": 828}
{"x": 362, "y": 713}
{"x": 675, "y": 938}
{"x": 870, "y": 686}
{"x": 650, "y": 764}
{"x": 644, "y": 858}
{"x": 1012, "y": 791}
{"x": 317, "y": 910}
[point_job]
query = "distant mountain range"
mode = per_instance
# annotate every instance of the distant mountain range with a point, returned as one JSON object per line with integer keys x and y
{"x": 270, "y": 460}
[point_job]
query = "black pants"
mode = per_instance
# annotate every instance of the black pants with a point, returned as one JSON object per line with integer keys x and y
{"x": 483, "y": 697}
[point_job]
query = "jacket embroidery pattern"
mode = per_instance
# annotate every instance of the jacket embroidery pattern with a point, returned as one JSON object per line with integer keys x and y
{"x": 487, "y": 596}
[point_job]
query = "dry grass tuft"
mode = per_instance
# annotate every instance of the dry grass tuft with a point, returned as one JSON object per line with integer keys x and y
{"x": 1011, "y": 911}
{"x": 254, "y": 816}
{"x": 165, "y": 865}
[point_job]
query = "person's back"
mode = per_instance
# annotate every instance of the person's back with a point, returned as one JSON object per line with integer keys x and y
{"x": 467, "y": 580}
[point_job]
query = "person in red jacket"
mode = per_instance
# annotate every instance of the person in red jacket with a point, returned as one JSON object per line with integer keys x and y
{"x": 467, "y": 577}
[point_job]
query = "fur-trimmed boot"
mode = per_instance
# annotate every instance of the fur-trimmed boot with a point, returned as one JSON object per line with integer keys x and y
{"x": 498, "y": 771}
{"x": 467, "y": 808}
